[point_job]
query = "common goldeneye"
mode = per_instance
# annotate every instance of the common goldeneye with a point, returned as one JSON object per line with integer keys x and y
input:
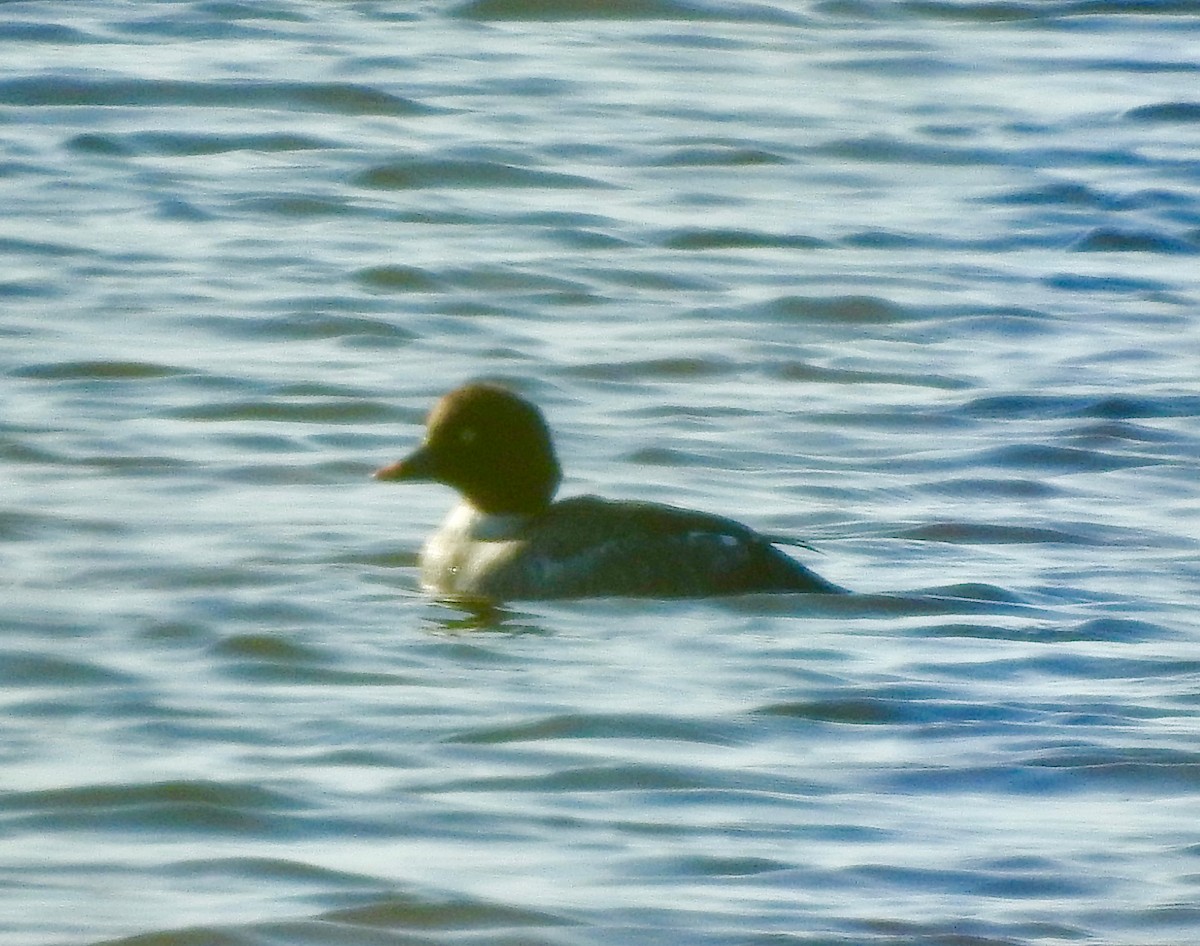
{"x": 507, "y": 539}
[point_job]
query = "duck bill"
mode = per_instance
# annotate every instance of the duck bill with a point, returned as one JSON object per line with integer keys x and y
{"x": 417, "y": 466}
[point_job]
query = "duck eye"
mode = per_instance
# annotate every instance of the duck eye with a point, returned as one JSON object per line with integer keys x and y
{"x": 466, "y": 436}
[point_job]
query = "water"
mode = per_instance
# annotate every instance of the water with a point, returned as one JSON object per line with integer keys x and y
{"x": 916, "y": 282}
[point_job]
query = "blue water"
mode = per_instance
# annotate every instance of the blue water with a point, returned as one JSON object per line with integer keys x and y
{"x": 917, "y": 283}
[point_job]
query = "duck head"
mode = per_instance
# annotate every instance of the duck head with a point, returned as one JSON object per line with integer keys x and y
{"x": 489, "y": 444}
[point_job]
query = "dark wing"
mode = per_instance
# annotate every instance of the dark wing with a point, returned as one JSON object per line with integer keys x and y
{"x": 602, "y": 547}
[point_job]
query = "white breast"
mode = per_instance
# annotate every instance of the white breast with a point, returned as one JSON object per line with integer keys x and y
{"x": 468, "y": 548}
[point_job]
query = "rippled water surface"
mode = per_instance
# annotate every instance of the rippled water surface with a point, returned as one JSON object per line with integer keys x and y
{"x": 917, "y": 283}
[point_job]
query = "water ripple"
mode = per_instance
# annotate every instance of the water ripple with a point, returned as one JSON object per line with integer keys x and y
{"x": 335, "y": 98}
{"x": 180, "y": 144}
{"x": 447, "y": 172}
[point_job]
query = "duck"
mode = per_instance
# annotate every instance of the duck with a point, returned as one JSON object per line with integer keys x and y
{"x": 508, "y": 538}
